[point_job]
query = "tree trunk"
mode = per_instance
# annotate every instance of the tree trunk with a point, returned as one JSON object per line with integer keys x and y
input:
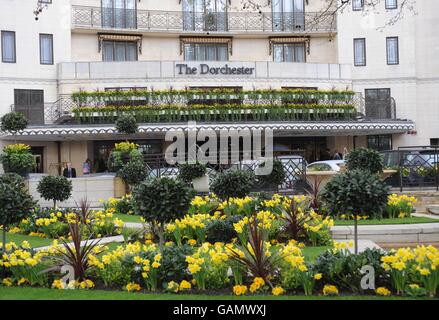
{"x": 54, "y": 204}
{"x": 161, "y": 236}
{"x": 356, "y": 233}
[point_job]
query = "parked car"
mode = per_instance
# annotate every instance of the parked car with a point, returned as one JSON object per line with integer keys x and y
{"x": 328, "y": 165}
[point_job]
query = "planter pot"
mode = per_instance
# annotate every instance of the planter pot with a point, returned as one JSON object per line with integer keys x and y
{"x": 201, "y": 184}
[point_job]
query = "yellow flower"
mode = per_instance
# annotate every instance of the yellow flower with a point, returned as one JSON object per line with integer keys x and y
{"x": 132, "y": 287}
{"x": 194, "y": 268}
{"x": 185, "y": 285}
{"x": 22, "y": 281}
{"x": 173, "y": 286}
{"x": 277, "y": 291}
{"x": 239, "y": 290}
{"x": 317, "y": 276}
{"x": 192, "y": 242}
{"x": 330, "y": 290}
{"x": 58, "y": 284}
{"x": 382, "y": 291}
{"x": 156, "y": 265}
{"x": 7, "y": 282}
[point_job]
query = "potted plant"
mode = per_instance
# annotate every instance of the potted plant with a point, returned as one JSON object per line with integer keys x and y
{"x": 17, "y": 158}
{"x": 196, "y": 174}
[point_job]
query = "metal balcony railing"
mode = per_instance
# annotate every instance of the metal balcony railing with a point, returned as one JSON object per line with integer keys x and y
{"x": 176, "y": 21}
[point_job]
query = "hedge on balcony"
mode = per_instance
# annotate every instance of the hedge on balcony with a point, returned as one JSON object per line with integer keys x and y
{"x": 213, "y": 113}
{"x": 183, "y": 97}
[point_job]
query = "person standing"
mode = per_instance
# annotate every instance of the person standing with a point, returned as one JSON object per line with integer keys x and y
{"x": 69, "y": 172}
{"x": 86, "y": 167}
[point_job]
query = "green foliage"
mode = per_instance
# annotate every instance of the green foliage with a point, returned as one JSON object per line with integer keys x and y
{"x": 231, "y": 184}
{"x": 123, "y": 153}
{"x": 355, "y": 192}
{"x": 134, "y": 172}
{"x": 17, "y": 158}
{"x": 365, "y": 159}
{"x": 173, "y": 263}
{"x": 127, "y": 124}
{"x": 222, "y": 230}
{"x": 162, "y": 200}
{"x": 276, "y": 177}
{"x": 55, "y": 188}
{"x": 13, "y": 122}
{"x": 15, "y": 201}
{"x": 343, "y": 269}
{"x": 191, "y": 171}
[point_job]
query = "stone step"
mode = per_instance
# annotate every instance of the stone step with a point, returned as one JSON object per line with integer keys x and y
{"x": 433, "y": 209}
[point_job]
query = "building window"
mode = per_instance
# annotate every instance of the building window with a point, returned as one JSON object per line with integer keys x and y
{"x": 291, "y": 52}
{"x": 206, "y": 52}
{"x": 8, "y": 47}
{"x": 288, "y": 15}
{"x": 119, "y": 14}
{"x": 359, "y": 52}
{"x": 46, "y": 49}
{"x": 357, "y": 5}
{"x": 119, "y": 51}
{"x": 31, "y": 104}
{"x": 380, "y": 143}
{"x": 391, "y": 4}
{"x": 392, "y": 46}
{"x": 434, "y": 142}
{"x": 379, "y": 104}
{"x": 205, "y": 15}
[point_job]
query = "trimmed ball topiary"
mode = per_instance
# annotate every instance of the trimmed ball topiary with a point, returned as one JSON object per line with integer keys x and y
{"x": 191, "y": 171}
{"x": 365, "y": 159}
{"x": 55, "y": 188}
{"x": 233, "y": 184}
{"x": 13, "y": 122}
{"x": 127, "y": 124}
{"x": 134, "y": 172}
{"x": 15, "y": 201}
{"x": 162, "y": 200}
{"x": 355, "y": 192}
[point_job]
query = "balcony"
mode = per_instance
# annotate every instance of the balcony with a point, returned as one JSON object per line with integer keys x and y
{"x": 97, "y": 18}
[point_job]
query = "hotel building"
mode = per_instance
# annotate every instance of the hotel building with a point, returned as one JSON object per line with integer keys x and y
{"x": 148, "y": 45}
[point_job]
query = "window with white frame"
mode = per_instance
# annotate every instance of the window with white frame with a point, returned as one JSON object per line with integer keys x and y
{"x": 206, "y": 52}
{"x": 357, "y": 5}
{"x": 289, "y": 52}
{"x": 119, "y": 50}
{"x": 46, "y": 48}
{"x": 8, "y": 47}
{"x": 391, "y": 4}
{"x": 359, "y": 52}
{"x": 392, "y": 46}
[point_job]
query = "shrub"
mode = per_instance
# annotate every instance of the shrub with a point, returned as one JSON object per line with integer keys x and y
{"x": 55, "y": 188}
{"x": 365, "y": 159}
{"x": 13, "y": 122}
{"x": 345, "y": 268}
{"x": 127, "y": 124}
{"x": 173, "y": 263}
{"x": 134, "y": 172}
{"x": 233, "y": 184}
{"x": 15, "y": 201}
{"x": 17, "y": 158}
{"x": 191, "y": 171}
{"x": 162, "y": 200}
{"x": 222, "y": 230}
{"x": 355, "y": 193}
{"x": 276, "y": 177}
{"x": 123, "y": 153}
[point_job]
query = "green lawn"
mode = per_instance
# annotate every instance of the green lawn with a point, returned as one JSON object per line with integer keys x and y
{"x": 128, "y": 218}
{"x": 311, "y": 253}
{"x": 33, "y": 241}
{"x": 412, "y": 220}
{"x": 15, "y": 293}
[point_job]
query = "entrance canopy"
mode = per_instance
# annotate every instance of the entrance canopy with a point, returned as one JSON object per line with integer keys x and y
{"x": 104, "y": 132}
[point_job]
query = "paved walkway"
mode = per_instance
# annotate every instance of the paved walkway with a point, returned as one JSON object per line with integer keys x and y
{"x": 363, "y": 245}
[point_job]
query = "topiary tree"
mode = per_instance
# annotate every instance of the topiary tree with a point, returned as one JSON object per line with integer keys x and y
{"x": 365, "y": 159}
{"x": 357, "y": 193}
{"x": 15, "y": 201}
{"x": 13, "y": 122}
{"x": 233, "y": 184}
{"x": 17, "y": 158}
{"x": 133, "y": 173}
{"x": 160, "y": 201}
{"x": 276, "y": 177}
{"x": 190, "y": 171}
{"x": 127, "y": 124}
{"x": 55, "y": 188}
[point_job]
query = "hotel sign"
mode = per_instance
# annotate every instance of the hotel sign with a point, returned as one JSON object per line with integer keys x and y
{"x": 204, "y": 69}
